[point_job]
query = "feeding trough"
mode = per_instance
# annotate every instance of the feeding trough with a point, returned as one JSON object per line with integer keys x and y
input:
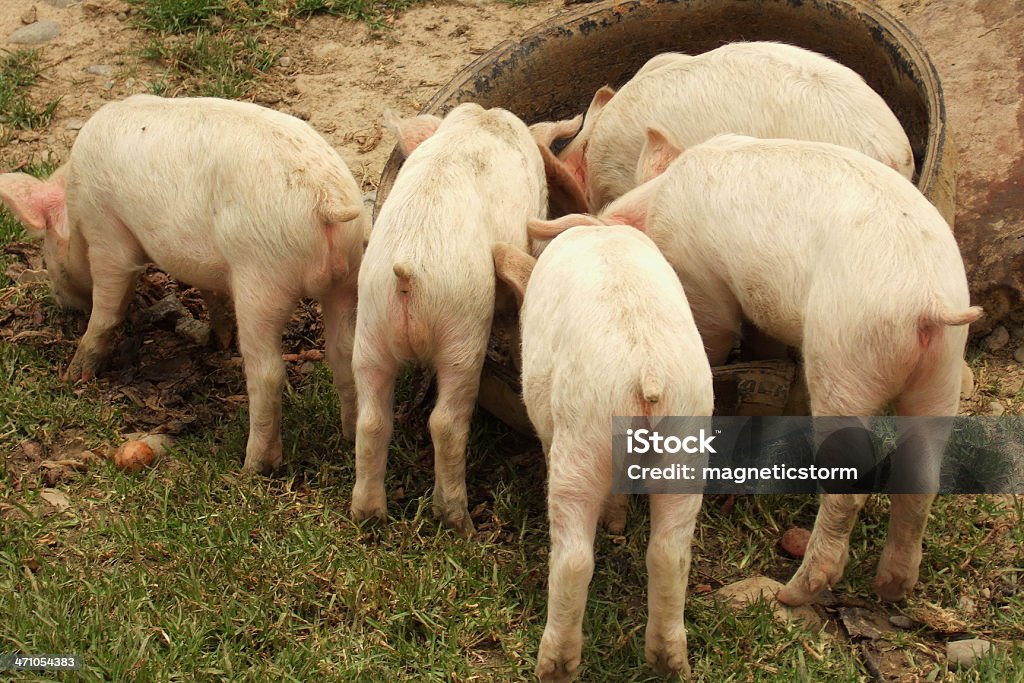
{"x": 552, "y": 71}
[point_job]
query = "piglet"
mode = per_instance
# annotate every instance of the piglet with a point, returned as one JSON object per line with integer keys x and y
{"x": 839, "y": 255}
{"x": 249, "y": 205}
{"x": 427, "y": 287}
{"x": 764, "y": 89}
{"x": 606, "y": 330}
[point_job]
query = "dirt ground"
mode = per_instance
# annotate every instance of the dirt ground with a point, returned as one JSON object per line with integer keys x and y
{"x": 340, "y": 76}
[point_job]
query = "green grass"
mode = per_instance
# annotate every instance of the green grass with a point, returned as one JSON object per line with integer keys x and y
{"x": 221, "y": 48}
{"x": 18, "y": 72}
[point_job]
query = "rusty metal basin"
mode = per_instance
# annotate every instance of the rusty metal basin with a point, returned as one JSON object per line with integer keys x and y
{"x": 552, "y": 71}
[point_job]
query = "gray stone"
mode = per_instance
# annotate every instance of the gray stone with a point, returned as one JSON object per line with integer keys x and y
{"x": 62, "y": 4}
{"x": 1018, "y": 354}
{"x": 285, "y": 62}
{"x": 998, "y": 339}
{"x": 996, "y": 408}
{"x": 966, "y": 652}
{"x": 900, "y": 621}
{"x": 33, "y": 34}
{"x": 100, "y": 70}
{"x": 74, "y": 124}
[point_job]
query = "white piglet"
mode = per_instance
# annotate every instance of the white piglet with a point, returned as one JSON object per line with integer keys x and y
{"x": 834, "y": 253}
{"x": 247, "y": 204}
{"x": 606, "y": 331}
{"x": 427, "y": 286}
{"x": 764, "y": 89}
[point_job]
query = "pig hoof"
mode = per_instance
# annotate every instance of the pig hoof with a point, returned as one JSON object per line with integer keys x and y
{"x": 461, "y": 524}
{"x": 371, "y": 515}
{"x": 897, "y": 573}
{"x": 80, "y": 368}
{"x": 666, "y": 660}
{"x": 804, "y": 587}
{"x": 263, "y": 466}
{"x": 552, "y": 670}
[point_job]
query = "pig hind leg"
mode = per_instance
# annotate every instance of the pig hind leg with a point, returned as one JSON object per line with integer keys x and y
{"x": 339, "y": 307}
{"x": 933, "y": 391}
{"x": 840, "y": 384}
{"x": 574, "y": 506}
{"x": 261, "y": 322}
{"x": 673, "y": 518}
{"x": 458, "y": 383}
{"x": 374, "y": 369}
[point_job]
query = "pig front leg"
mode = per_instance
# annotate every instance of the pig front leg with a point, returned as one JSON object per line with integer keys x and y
{"x": 113, "y": 289}
{"x": 673, "y": 518}
{"x": 374, "y": 370}
{"x": 574, "y": 505}
{"x": 457, "y": 387}
{"x": 339, "y": 307}
{"x": 261, "y": 322}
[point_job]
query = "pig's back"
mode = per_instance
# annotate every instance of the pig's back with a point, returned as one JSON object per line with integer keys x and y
{"x": 776, "y": 219}
{"x": 208, "y": 178}
{"x": 766, "y": 90}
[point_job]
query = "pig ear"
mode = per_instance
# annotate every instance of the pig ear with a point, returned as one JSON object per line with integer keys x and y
{"x": 565, "y": 192}
{"x": 601, "y": 98}
{"x": 546, "y": 132}
{"x": 412, "y": 131}
{"x": 545, "y": 230}
{"x": 32, "y": 200}
{"x": 660, "y": 149}
{"x": 513, "y": 267}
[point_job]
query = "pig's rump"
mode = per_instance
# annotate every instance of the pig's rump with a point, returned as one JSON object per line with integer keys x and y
{"x": 243, "y": 201}
{"x": 597, "y": 350}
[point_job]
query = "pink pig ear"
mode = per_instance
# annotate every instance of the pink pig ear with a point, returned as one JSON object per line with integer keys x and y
{"x": 565, "y": 192}
{"x": 412, "y": 131}
{"x": 513, "y": 267}
{"x": 602, "y": 97}
{"x": 659, "y": 151}
{"x": 35, "y": 203}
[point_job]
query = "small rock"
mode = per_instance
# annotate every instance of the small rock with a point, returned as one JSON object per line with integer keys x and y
{"x": 285, "y": 62}
{"x": 30, "y": 15}
{"x": 966, "y": 652}
{"x": 794, "y": 542}
{"x": 100, "y": 70}
{"x": 307, "y": 368}
{"x": 900, "y": 621}
{"x": 122, "y": 16}
{"x": 134, "y": 456}
{"x": 996, "y": 408}
{"x": 129, "y": 83}
{"x": 61, "y": 4}
{"x": 74, "y": 124}
{"x": 33, "y": 34}
{"x": 194, "y": 330}
{"x": 109, "y": 85}
{"x": 1012, "y": 386}
{"x": 742, "y": 593}
{"x": 966, "y": 605}
{"x": 1018, "y": 354}
{"x": 997, "y": 339}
